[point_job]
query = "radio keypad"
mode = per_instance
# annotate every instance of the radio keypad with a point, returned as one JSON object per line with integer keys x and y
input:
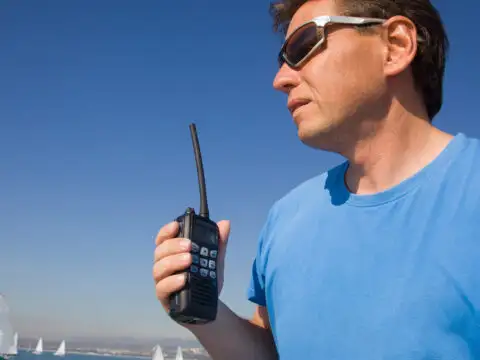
{"x": 207, "y": 261}
{"x": 195, "y": 247}
{"x": 204, "y": 251}
{"x": 203, "y": 272}
{"x": 195, "y": 259}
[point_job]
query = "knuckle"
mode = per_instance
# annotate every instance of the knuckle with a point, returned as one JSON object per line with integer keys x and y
{"x": 157, "y": 253}
{"x": 159, "y": 270}
{"x": 160, "y": 292}
{"x": 165, "y": 287}
{"x": 164, "y": 233}
{"x": 170, "y": 245}
{"x": 164, "y": 249}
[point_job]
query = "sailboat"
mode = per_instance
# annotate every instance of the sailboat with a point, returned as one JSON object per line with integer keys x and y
{"x": 14, "y": 347}
{"x": 157, "y": 353}
{"x": 39, "y": 348}
{"x": 179, "y": 354}
{"x": 6, "y": 330}
{"x": 61, "y": 350}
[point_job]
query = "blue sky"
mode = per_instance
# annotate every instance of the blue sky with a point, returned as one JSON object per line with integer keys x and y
{"x": 95, "y": 102}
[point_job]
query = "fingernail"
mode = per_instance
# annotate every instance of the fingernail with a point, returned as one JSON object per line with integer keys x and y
{"x": 185, "y": 244}
{"x": 181, "y": 278}
{"x": 186, "y": 257}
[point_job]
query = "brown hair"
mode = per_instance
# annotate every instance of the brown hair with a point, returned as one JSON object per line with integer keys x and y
{"x": 428, "y": 66}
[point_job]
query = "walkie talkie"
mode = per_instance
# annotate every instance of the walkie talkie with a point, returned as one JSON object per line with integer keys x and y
{"x": 197, "y": 302}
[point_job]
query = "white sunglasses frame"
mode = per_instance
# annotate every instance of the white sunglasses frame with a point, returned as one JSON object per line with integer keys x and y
{"x": 321, "y": 22}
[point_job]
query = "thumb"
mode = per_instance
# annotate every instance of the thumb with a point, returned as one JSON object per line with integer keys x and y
{"x": 224, "y": 228}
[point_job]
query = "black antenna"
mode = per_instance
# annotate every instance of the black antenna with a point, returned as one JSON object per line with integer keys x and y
{"x": 201, "y": 177}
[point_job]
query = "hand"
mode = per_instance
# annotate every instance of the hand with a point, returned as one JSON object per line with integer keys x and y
{"x": 172, "y": 259}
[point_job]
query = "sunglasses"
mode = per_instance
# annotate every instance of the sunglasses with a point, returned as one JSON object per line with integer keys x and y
{"x": 308, "y": 37}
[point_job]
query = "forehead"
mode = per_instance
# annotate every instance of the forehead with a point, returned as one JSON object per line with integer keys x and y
{"x": 309, "y": 10}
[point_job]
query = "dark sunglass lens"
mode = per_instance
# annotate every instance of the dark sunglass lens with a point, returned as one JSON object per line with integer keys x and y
{"x": 301, "y": 42}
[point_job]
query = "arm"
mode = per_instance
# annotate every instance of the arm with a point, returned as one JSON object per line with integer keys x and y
{"x": 231, "y": 337}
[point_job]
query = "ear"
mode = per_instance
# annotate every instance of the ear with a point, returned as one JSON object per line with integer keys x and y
{"x": 400, "y": 36}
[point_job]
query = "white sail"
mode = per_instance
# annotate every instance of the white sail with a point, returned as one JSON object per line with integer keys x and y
{"x": 14, "y": 347}
{"x": 6, "y": 329}
{"x": 61, "y": 350}
{"x": 39, "y": 348}
{"x": 179, "y": 354}
{"x": 157, "y": 353}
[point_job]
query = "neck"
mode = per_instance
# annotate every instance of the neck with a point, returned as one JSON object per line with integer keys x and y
{"x": 392, "y": 152}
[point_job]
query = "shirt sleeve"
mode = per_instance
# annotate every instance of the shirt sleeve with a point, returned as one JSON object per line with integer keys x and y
{"x": 256, "y": 292}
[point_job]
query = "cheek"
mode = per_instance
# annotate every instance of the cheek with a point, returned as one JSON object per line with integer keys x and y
{"x": 347, "y": 75}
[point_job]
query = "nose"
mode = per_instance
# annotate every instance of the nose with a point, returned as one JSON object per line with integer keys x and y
{"x": 286, "y": 79}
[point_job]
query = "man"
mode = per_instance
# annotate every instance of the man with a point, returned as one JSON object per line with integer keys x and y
{"x": 377, "y": 258}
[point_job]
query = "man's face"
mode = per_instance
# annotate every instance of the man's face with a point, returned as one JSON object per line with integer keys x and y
{"x": 340, "y": 85}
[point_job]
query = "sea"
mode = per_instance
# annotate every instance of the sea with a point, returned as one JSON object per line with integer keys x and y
{"x": 26, "y": 355}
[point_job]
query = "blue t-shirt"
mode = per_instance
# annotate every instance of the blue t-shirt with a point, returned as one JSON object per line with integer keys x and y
{"x": 394, "y": 275}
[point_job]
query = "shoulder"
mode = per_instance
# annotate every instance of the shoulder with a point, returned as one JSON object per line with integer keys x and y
{"x": 463, "y": 173}
{"x": 459, "y": 199}
{"x": 469, "y": 148}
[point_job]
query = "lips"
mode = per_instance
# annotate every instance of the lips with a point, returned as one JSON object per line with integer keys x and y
{"x": 294, "y": 104}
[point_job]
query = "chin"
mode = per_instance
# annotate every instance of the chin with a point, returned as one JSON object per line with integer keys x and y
{"x": 315, "y": 134}
{"x": 309, "y": 140}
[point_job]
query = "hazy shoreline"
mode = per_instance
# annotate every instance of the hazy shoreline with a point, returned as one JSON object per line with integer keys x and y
{"x": 91, "y": 353}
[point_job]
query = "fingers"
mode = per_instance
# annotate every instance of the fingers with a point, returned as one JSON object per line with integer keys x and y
{"x": 172, "y": 247}
{"x": 172, "y": 259}
{"x": 170, "y": 265}
{"x": 169, "y": 285}
{"x": 168, "y": 231}
{"x": 169, "y": 275}
{"x": 224, "y": 228}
